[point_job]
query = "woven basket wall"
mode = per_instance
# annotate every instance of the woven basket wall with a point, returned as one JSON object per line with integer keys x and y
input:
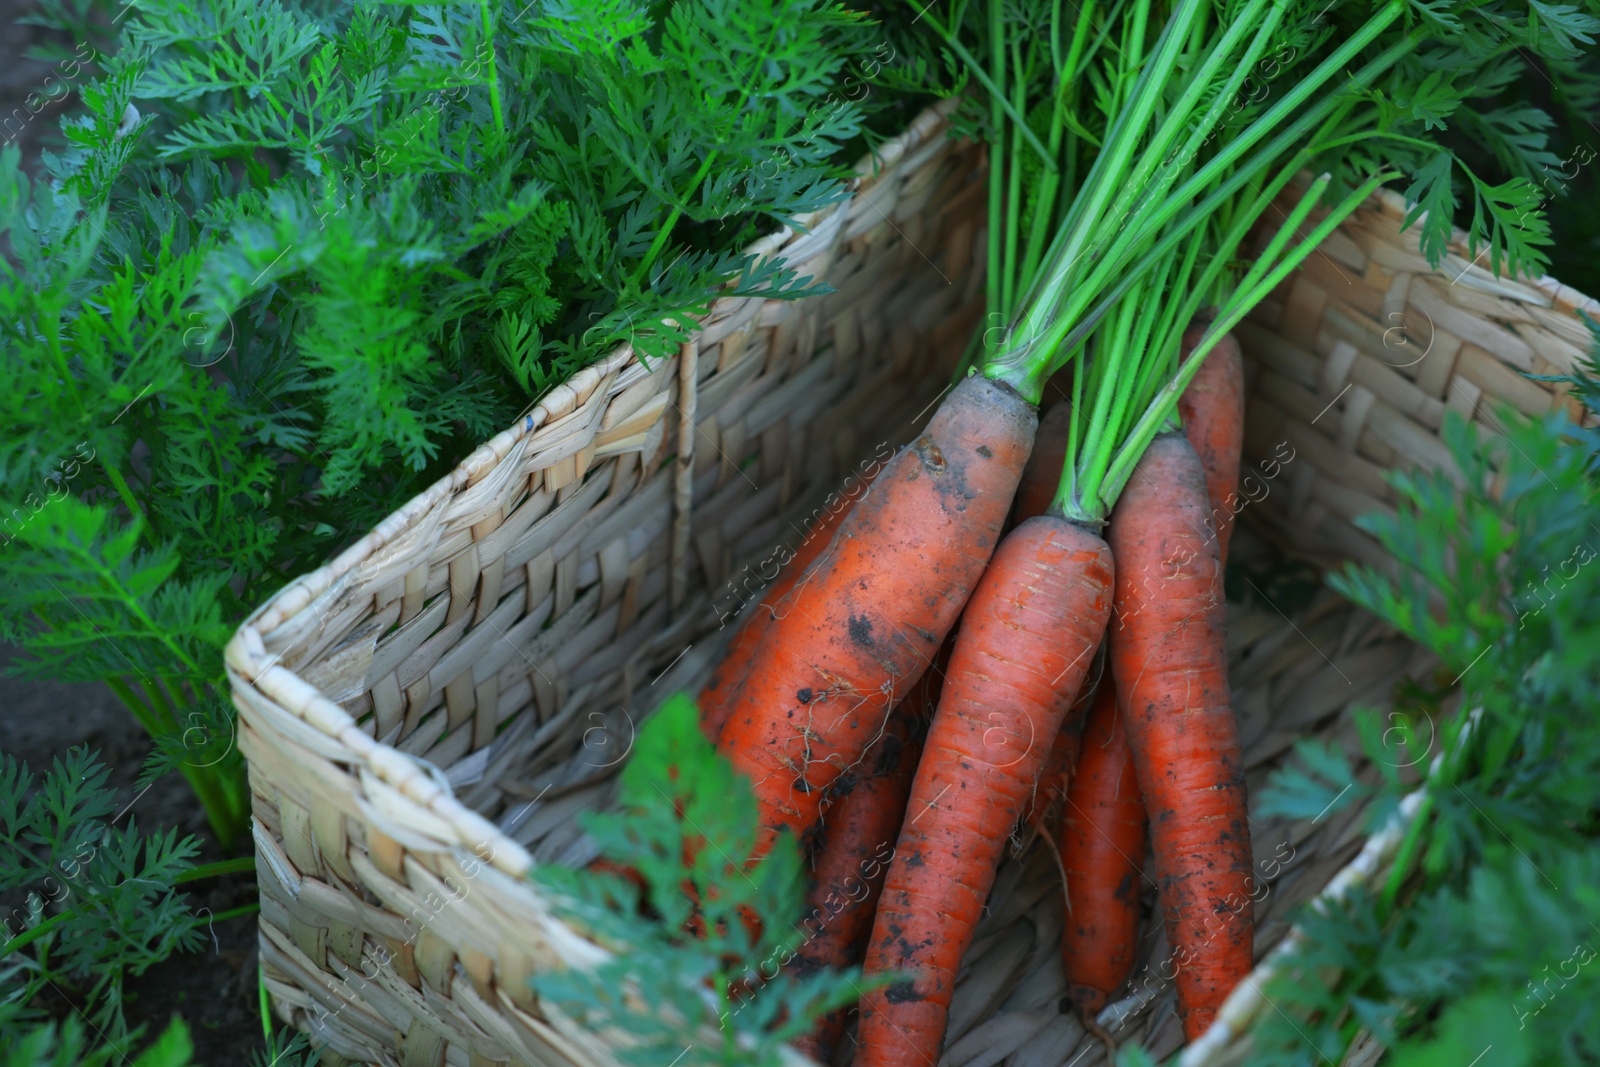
{"x": 424, "y": 715}
{"x": 1355, "y": 359}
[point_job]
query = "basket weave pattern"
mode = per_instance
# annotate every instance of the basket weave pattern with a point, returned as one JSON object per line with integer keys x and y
{"x": 424, "y": 715}
{"x": 1357, "y": 356}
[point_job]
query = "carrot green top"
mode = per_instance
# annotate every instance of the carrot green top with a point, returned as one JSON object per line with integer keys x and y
{"x": 1190, "y": 133}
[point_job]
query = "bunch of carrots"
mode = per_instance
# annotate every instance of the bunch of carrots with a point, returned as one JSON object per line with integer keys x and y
{"x": 1002, "y": 716}
{"x": 1021, "y": 622}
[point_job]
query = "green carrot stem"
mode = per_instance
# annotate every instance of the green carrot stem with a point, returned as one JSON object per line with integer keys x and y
{"x": 217, "y": 869}
{"x": 1069, "y": 322}
{"x": 1110, "y": 401}
{"x": 1132, "y": 332}
{"x": 1074, "y": 322}
{"x": 141, "y": 710}
{"x": 28, "y": 937}
{"x": 1153, "y": 359}
{"x": 1211, "y": 278}
{"x": 1280, "y": 240}
{"x": 485, "y": 10}
{"x": 1103, "y": 32}
{"x": 1086, "y": 218}
{"x": 1174, "y": 320}
{"x": 1008, "y": 273}
{"x": 219, "y": 812}
{"x": 124, "y": 493}
{"x": 1406, "y": 853}
{"x": 664, "y": 234}
{"x": 1143, "y": 184}
{"x": 994, "y": 284}
{"x": 1059, "y": 66}
{"x": 1166, "y": 401}
{"x": 986, "y": 81}
{"x": 1040, "y": 223}
{"x": 265, "y": 1004}
{"x": 1068, "y": 489}
{"x": 1238, "y": 145}
{"x": 1050, "y": 185}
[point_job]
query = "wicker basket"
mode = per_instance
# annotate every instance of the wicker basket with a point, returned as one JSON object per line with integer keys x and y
{"x": 424, "y": 715}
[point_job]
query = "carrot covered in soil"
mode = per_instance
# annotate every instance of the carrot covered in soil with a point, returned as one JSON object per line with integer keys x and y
{"x": 1170, "y": 665}
{"x": 1102, "y": 849}
{"x": 1027, "y": 640}
{"x": 1040, "y": 479}
{"x": 716, "y": 699}
{"x": 1139, "y": 246}
{"x": 857, "y": 842}
{"x": 1213, "y": 421}
{"x": 875, "y": 609}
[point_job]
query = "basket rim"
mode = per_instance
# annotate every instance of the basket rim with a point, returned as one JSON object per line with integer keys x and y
{"x": 1544, "y": 291}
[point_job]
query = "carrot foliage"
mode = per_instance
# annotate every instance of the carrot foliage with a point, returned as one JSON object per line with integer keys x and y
{"x": 1155, "y": 138}
{"x": 89, "y": 906}
{"x": 290, "y": 261}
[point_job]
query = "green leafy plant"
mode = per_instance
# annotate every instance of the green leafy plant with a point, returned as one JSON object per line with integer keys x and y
{"x": 89, "y": 904}
{"x": 683, "y": 945}
{"x": 90, "y": 23}
{"x": 45, "y": 1046}
{"x": 295, "y": 260}
{"x": 287, "y": 1049}
{"x": 1482, "y": 936}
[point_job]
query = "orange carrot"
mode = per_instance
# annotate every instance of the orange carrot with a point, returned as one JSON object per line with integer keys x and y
{"x": 1039, "y": 481}
{"x": 1027, "y": 639}
{"x": 1102, "y": 849}
{"x": 1051, "y": 796}
{"x": 877, "y": 607}
{"x": 694, "y": 925}
{"x": 601, "y": 865}
{"x": 716, "y": 699}
{"x": 1213, "y": 420}
{"x": 1170, "y": 665}
{"x": 1043, "y": 473}
{"x": 1044, "y": 807}
{"x": 858, "y": 836}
